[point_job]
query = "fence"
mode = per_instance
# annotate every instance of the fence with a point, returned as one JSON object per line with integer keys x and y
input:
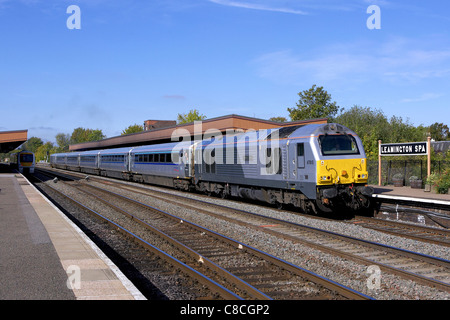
{"x": 406, "y": 168}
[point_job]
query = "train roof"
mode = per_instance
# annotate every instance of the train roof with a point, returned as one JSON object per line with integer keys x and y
{"x": 165, "y": 147}
{"x": 291, "y": 132}
{"x": 87, "y": 153}
{"x": 309, "y": 130}
{"x": 298, "y": 131}
{"x": 115, "y": 150}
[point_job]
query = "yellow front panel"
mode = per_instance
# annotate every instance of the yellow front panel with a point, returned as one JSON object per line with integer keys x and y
{"x": 341, "y": 171}
{"x": 26, "y": 164}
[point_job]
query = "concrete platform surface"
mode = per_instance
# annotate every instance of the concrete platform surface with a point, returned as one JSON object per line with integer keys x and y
{"x": 44, "y": 256}
{"x": 408, "y": 193}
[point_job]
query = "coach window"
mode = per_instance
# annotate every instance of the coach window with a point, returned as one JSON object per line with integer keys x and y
{"x": 247, "y": 150}
{"x": 213, "y": 159}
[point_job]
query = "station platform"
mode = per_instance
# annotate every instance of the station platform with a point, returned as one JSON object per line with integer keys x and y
{"x": 412, "y": 195}
{"x": 44, "y": 256}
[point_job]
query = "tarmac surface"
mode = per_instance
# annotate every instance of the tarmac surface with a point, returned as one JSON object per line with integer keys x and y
{"x": 30, "y": 267}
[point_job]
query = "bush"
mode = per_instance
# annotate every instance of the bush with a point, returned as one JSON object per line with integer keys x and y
{"x": 443, "y": 182}
{"x": 432, "y": 180}
{"x": 397, "y": 176}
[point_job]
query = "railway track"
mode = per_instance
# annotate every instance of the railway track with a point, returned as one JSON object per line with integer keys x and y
{"x": 421, "y": 233}
{"x": 255, "y": 274}
{"x": 423, "y": 269}
{"x": 432, "y": 235}
{"x": 216, "y": 289}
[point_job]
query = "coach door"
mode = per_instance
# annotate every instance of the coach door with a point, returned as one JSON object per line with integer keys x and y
{"x": 184, "y": 161}
{"x": 296, "y": 161}
{"x": 300, "y": 156}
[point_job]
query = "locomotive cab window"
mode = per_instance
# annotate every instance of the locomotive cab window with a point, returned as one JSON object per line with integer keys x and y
{"x": 26, "y": 157}
{"x": 338, "y": 145}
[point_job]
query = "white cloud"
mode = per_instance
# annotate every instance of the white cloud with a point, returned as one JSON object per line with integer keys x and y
{"x": 257, "y": 6}
{"x": 397, "y": 60}
{"x": 423, "y": 97}
{"x": 303, "y": 7}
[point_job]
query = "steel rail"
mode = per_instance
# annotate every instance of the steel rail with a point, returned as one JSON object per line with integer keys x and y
{"x": 327, "y": 283}
{"x": 372, "y": 223}
{"x": 176, "y": 263}
{"x": 397, "y": 225}
{"x": 239, "y": 283}
{"x": 400, "y": 272}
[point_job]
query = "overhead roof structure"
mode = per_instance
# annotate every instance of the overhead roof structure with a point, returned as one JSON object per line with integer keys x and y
{"x": 10, "y": 140}
{"x": 222, "y": 124}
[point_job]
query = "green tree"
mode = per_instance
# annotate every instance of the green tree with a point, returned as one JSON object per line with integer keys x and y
{"x": 80, "y": 135}
{"x": 44, "y": 151}
{"x": 278, "y": 119}
{"x": 403, "y": 131}
{"x": 192, "y": 116}
{"x": 133, "y": 129}
{"x": 63, "y": 141}
{"x": 370, "y": 125}
{"x": 439, "y": 131}
{"x": 314, "y": 103}
{"x": 32, "y": 144}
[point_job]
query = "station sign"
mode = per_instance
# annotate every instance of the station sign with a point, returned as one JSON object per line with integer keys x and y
{"x": 404, "y": 149}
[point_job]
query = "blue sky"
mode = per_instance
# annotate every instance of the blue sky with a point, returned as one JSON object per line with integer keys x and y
{"x": 134, "y": 60}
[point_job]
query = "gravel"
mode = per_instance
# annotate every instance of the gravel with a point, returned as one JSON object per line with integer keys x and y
{"x": 346, "y": 272}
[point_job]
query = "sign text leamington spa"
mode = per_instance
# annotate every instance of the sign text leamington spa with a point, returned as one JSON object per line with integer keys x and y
{"x": 404, "y": 149}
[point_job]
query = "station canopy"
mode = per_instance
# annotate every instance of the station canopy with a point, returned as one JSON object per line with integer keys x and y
{"x": 10, "y": 140}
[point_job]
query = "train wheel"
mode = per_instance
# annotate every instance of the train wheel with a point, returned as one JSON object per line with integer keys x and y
{"x": 320, "y": 208}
